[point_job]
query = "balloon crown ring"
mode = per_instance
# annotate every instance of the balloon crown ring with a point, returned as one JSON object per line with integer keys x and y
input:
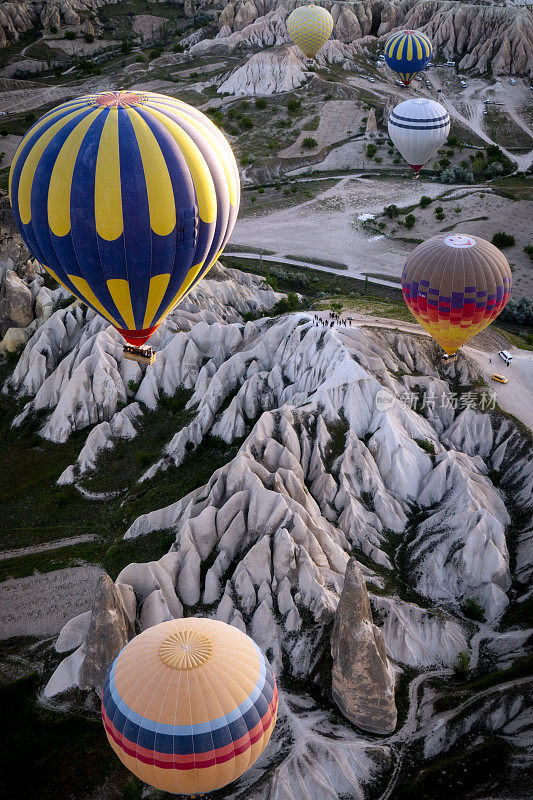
{"x": 119, "y": 99}
{"x": 185, "y": 649}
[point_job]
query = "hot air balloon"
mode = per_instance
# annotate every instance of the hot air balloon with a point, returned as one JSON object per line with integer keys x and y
{"x": 189, "y": 705}
{"x": 417, "y": 128}
{"x": 127, "y": 198}
{"x": 309, "y": 27}
{"x": 407, "y": 53}
{"x": 455, "y": 285}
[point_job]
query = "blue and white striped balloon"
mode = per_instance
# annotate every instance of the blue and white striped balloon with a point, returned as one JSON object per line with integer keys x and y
{"x": 417, "y": 128}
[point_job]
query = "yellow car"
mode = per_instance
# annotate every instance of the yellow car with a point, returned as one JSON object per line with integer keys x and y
{"x": 499, "y": 378}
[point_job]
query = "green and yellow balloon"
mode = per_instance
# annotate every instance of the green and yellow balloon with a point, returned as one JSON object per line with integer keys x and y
{"x": 310, "y": 27}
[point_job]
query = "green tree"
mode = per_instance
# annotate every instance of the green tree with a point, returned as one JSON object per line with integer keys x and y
{"x": 391, "y": 211}
{"x": 260, "y": 102}
{"x": 473, "y": 609}
{"x": 462, "y": 665}
{"x": 371, "y": 150}
{"x": 410, "y": 221}
{"x": 502, "y": 239}
{"x": 309, "y": 143}
{"x": 294, "y": 105}
{"x": 425, "y": 201}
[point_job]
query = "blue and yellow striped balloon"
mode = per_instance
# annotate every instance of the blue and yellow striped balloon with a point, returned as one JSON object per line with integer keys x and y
{"x": 407, "y": 53}
{"x": 127, "y": 198}
{"x": 310, "y": 27}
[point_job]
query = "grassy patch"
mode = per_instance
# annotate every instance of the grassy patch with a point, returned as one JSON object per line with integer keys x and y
{"x": 70, "y": 755}
{"x": 59, "y": 558}
{"x": 320, "y": 262}
{"x": 151, "y": 547}
{"x": 465, "y": 772}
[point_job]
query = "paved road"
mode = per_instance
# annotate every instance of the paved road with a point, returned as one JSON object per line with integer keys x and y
{"x": 5, "y": 555}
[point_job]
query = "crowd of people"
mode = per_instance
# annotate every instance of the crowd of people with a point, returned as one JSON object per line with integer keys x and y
{"x": 334, "y": 319}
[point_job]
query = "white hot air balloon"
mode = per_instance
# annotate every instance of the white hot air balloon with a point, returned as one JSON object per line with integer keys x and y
{"x": 417, "y": 128}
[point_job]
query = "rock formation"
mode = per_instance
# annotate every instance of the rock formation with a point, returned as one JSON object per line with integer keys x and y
{"x": 485, "y": 37}
{"x": 362, "y": 680}
{"x": 266, "y": 73}
{"x": 110, "y": 629}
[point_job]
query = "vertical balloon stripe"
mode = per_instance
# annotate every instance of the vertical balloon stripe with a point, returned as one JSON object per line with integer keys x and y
{"x": 31, "y": 162}
{"x": 47, "y": 120}
{"x": 61, "y": 178}
{"x": 136, "y": 259}
{"x": 214, "y": 143}
{"x": 83, "y": 235}
{"x": 158, "y": 185}
{"x": 156, "y": 293}
{"x": 87, "y": 293}
{"x": 107, "y": 195}
{"x": 203, "y": 182}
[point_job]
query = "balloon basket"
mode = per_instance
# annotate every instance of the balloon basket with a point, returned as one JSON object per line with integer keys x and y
{"x": 446, "y": 357}
{"x": 143, "y": 355}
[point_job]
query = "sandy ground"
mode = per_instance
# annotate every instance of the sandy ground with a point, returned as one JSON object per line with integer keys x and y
{"x": 41, "y": 604}
{"x": 516, "y": 396}
{"x": 328, "y": 226}
{"x": 337, "y": 117}
{"x": 8, "y": 146}
{"x": 148, "y": 25}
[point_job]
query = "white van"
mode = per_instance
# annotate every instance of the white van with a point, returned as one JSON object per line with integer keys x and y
{"x": 505, "y": 356}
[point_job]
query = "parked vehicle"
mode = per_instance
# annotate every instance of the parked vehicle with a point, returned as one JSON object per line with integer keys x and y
{"x": 505, "y": 356}
{"x": 499, "y": 378}
{"x": 512, "y": 81}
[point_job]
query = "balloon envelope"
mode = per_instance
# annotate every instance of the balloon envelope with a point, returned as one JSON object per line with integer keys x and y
{"x": 455, "y": 285}
{"x": 189, "y": 705}
{"x": 407, "y": 53}
{"x": 127, "y": 198}
{"x": 417, "y": 128}
{"x": 309, "y": 27}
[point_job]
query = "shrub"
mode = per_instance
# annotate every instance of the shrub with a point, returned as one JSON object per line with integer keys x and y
{"x": 473, "y": 609}
{"x": 260, "y": 190}
{"x": 178, "y": 48}
{"x": 397, "y": 160}
{"x": 309, "y": 143}
{"x": 246, "y": 123}
{"x": 458, "y": 209}
{"x": 144, "y": 458}
{"x": 245, "y": 104}
{"x": 53, "y": 29}
{"x": 253, "y": 198}
{"x": 155, "y": 53}
{"x": 450, "y": 153}
{"x": 260, "y": 102}
{"x": 89, "y": 38}
{"x": 444, "y": 162}
{"x": 528, "y": 249}
{"x": 286, "y": 304}
{"x": 456, "y": 175}
{"x": 440, "y": 216}
{"x": 462, "y": 665}
{"x": 495, "y": 168}
{"x": 391, "y": 211}
{"x": 410, "y": 221}
{"x": 140, "y": 59}
{"x": 294, "y": 105}
{"x": 371, "y": 150}
{"x": 272, "y": 281}
{"x": 519, "y": 312}
{"x": 502, "y": 239}
{"x": 439, "y": 210}
{"x": 425, "y": 201}
{"x": 70, "y": 35}
{"x": 378, "y": 160}
{"x": 336, "y": 306}
{"x": 453, "y": 141}
{"x": 426, "y": 445}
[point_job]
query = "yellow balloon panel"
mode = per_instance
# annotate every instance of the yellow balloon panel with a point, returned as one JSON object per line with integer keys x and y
{"x": 310, "y": 27}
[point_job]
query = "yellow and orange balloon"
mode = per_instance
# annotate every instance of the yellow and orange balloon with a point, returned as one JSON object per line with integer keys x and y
{"x": 189, "y": 705}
